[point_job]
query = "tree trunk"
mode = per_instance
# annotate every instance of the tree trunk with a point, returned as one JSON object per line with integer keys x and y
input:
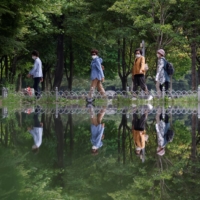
{"x": 60, "y": 61}
{"x": 193, "y": 57}
{"x": 70, "y": 71}
{"x": 193, "y": 145}
{"x": 60, "y": 141}
{"x": 19, "y": 83}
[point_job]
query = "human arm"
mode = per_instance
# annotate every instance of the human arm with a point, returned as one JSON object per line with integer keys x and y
{"x": 34, "y": 69}
{"x": 99, "y": 67}
{"x": 159, "y": 68}
{"x": 142, "y": 65}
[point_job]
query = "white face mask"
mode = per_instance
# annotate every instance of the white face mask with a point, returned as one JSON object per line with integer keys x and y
{"x": 138, "y": 55}
{"x": 158, "y": 55}
{"x": 34, "y": 57}
{"x": 94, "y": 56}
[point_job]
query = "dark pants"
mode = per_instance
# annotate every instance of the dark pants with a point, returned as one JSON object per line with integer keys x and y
{"x": 36, "y": 120}
{"x": 166, "y": 84}
{"x": 139, "y": 123}
{"x": 139, "y": 80}
{"x": 36, "y": 86}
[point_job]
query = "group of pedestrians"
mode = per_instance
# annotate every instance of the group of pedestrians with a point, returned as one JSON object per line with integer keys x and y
{"x": 97, "y": 75}
{"x": 138, "y": 74}
{"x": 163, "y": 132}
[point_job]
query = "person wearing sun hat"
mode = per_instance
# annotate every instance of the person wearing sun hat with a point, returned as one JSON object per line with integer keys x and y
{"x": 162, "y": 78}
{"x": 162, "y": 129}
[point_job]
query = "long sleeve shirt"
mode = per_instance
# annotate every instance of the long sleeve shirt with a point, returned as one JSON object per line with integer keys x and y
{"x": 139, "y": 138}
{"x": 36, "y": 71}
{"x": 161, "y": 129}
{"x": 161, "y": 75}
{"x": 36, "y": 132}
{"x": 96, "y": 69}
{"x": 96, "y": 135}
{"x": 139, "y": 66}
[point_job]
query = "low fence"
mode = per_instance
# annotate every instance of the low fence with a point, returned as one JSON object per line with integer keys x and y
{"x": 109, "y": 109}
{"x": 29, "y": 92}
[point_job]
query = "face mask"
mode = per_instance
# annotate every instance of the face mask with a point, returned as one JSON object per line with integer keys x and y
{"x": 137, "y": 55}
{"x": 158, "y": 55}
{"x": 34, "y": 57}
{"x": 94, "y": 56}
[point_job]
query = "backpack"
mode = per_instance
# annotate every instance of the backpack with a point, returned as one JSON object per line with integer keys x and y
{"x": 169, "y": 68}
{"x": 169, "y": 135}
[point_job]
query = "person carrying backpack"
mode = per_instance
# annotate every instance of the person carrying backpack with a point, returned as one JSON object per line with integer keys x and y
{"x": 162, "y": 77}
{"x": 164, "y": 133}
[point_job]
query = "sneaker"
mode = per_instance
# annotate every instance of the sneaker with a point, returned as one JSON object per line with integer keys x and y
{"x": 134, "y": 99}
{"x": 150, "y": 98}
{"x": 90, "y": 100}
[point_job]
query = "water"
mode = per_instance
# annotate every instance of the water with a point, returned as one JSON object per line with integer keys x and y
{"x": 65, "y": 167}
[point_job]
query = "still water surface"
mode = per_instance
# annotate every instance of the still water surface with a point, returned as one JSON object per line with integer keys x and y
{"x": 99, "y": 154}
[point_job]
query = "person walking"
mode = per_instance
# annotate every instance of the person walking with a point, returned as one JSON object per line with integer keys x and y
{"x": 97, "y": 128}
{"x": 97, "y": 76}
{"x": 138, "y": 74}
{"x": 36, "y": 73}
{"x": 36, "y": 131}
{"x": 164, "y": 133}
{"x": 162, "y": 78}
{"x": 139, "y": 133}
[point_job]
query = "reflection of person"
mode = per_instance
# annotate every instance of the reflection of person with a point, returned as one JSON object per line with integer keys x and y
{"x": 139, "y": 133}
{"x": 36, "y": 73}
{"x": 97, "y": 75}
{"x": 138, "y": 73}
{"x": 162, "y": 78}
{"x": 164, "y": 134}
{"x": 36, "y": 132}
{"x": 97, "y": 129}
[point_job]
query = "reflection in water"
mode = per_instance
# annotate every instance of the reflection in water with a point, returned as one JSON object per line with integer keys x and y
{"x": 63, "y": 167}
{"x": 97, "y": 128}
{"x": 36, "y": 131}
{"x": 139, "y": 134}
{"x": 164, "y": 133}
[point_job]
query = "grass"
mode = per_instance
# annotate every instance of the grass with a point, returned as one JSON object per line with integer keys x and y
{"x": 14, "y": 101}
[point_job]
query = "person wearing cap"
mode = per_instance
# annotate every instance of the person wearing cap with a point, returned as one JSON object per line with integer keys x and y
{"x": 97, "y": 76}
{"x": 139, "y": 133}
{"x": 162, "y": 78}
{"x": 36, "y": 131}
{"x": 138, "y": 73}
{"x": 36, "y": 73}
{"x": 97, "y": 128}
{"x": 162, "y": 126}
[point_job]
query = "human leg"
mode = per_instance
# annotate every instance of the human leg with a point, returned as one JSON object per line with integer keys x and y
{"x": 93, "y": 87}
{"x": 36, "y": 86}
{"x": 158, "y": 89}
{"x": 100, "y": 88}
{"x": 100, "y": 115}
{"x": 143, "y": 84}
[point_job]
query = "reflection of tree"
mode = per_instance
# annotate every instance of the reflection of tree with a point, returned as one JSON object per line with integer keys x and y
{"x": 124, "y": 131}
{"x": 70, "y": 131}
{"x": 60, "y": 140}
{"x": 193, "y": 132}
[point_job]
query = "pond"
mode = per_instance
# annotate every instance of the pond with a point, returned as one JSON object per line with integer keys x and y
{"x": 94, "y": 152}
